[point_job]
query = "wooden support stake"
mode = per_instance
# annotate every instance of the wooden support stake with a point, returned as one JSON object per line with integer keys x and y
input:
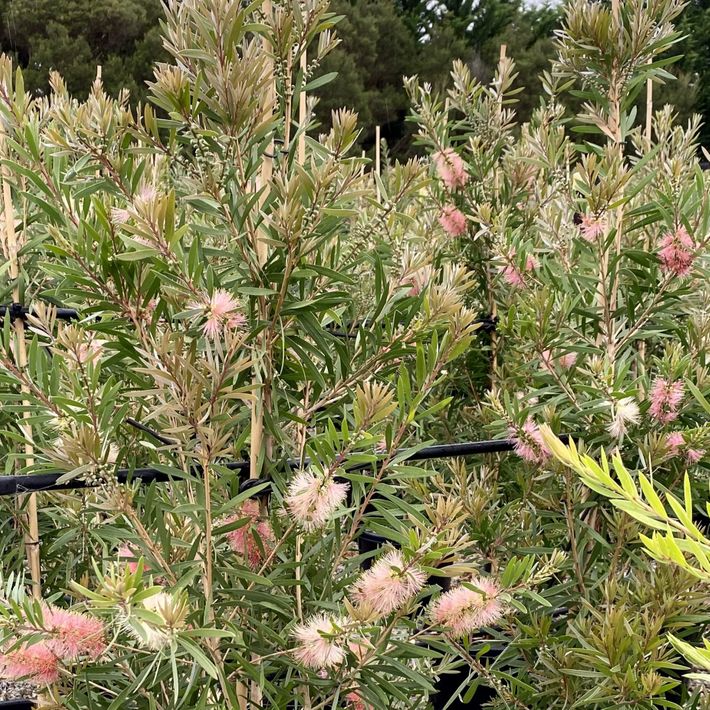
{"x": 302, "y": 118}
{"x": 378, "y": 158}
{"x": 641, "y": 369}
{"x": 12, "y": 248}
{"x": 262, "y": 253}
{"x": 649, "y": 109}
{"x": 251, "y": 695}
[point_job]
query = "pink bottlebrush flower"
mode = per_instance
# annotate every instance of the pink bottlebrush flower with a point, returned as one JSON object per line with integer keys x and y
{"x": 665, "y": 399}
{"x": 546, "y": 359}
{"x": 462, "y": 610}
{"x": 388, "y": 584}
{"x": 73, "y": 634}
{"x": 529, "y": 444}
{"x": 146, "y": 194}
{"x": 129, "y": 553}
{"x": 381, "y": 446}
{"x": 355, "y": 702}
{"x": 674, "y": 441}
{"x": 312, "y": 500}
{"x": 694, "y": 455}
{"x": 531, "y": 263}
{"x": 676, "y": 252}
{"x": 512, "y": 273}
{"x": 453, "y": 221}
{"x": 119, "y": 215}
{"x": 242, "y": 540}
{"x": 37, "y": 663}
{"x": 420, "y": 279}
{"x": 89, "y": 350}
{"x": 592, "y": 227}
{"x": 451, "y": 168}
{"x": 568, "y": 360}
{"x": 319, "y": 643}
{"x": 222, "y": 311}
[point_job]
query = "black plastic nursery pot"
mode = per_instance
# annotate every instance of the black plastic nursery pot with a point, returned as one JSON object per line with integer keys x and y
{"x": 16, "y": 705}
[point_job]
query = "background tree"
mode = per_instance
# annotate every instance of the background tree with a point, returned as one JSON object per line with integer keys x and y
{"x": 73, "y": 36}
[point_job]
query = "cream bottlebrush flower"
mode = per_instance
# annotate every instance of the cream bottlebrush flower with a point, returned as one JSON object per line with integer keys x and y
{"x": 462, "y": 610}
{"x": 389, "y": 583}
{"x": 172, "y": 610}
{"x": 243, "y": 539}
{"x": 37, "y": 663}
{"x": 312, "y": 499}
{"x": 73, "y": 634}
{"x": 623, "y": 412}
{"x": 321, "y": 643}
{"x": 528, "y": 443}
{"x": 453, "y": 221}
{"x": 450, "y": 168}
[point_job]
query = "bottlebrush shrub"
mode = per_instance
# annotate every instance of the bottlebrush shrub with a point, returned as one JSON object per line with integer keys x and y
{"x": 588, "y": 237}
{"x": 242, "y": 292}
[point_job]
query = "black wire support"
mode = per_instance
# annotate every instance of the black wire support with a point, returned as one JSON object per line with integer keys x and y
{"x": 39, "y": 482}
{"x": 17, "y": 310}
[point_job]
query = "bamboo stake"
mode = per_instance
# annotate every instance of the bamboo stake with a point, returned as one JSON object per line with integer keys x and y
{"x": 378, "y": 158}
{"x": 649, "y": 135}
{"x": 649, "y": 109}
{"x": 492, "y": 305}
{"x": 20, "y": 346}
{"x": 250, "y": 695}
{"x": 302, "y": 119}
{"x": 262, "y": 254}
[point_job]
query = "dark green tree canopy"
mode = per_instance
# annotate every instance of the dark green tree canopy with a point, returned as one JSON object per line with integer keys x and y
{"x": 73, "y": 36}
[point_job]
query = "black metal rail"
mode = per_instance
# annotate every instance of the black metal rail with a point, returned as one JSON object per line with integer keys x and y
{"x": 39, "y": 482}
{"x": 17, "y": 310}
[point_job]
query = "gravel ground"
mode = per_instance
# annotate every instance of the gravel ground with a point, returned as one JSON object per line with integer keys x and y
{"x": 14, "y": 690}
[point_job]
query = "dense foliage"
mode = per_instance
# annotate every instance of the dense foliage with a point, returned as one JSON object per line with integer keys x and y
{"x": 249, "y": 293}
{"x": 381, "y": 41}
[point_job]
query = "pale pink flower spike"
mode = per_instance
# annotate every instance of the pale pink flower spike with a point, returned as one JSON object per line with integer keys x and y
{"x": 453, "y": 221}
{"x": 73, "y": 634}
{"x": 388, "y": 584}
{"x": 451, "y": 168}
{"x": 665, "y": 399}
{"x": 592, "y": 227}
{"x": 37, "y": 663}
{"x": 313, "y": 500}
{"x": 242, "y": 540}
{"x": 529, "y": 444}
{"x": 318, "y": 642}
{"x": 677, "y": 252}
{"x": 222, "y": 312}
{"x": 463, "y": 610}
